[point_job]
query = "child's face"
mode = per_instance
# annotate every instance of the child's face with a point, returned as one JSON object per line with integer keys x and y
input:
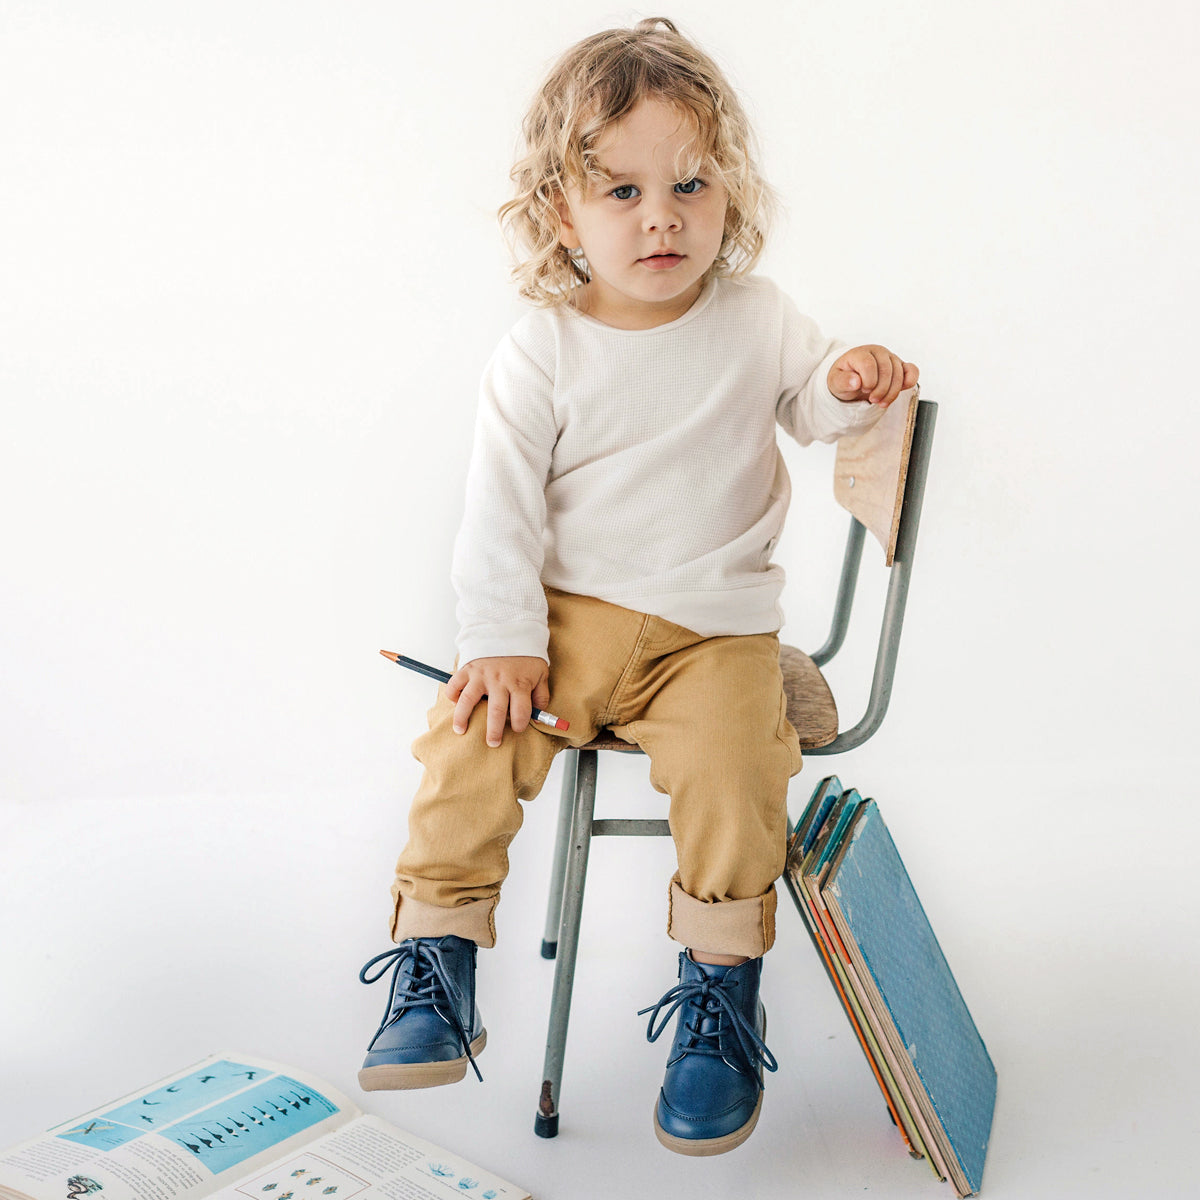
{"x": 649, "y": 240}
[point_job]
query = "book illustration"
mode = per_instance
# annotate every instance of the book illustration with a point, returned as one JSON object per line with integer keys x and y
{"x": 311, "y": 1170}
{"x": 242, "y": 1126}
{"x": 90, "y": 1133}
{"x": 81, "y": 1185}
{"x": 163, "y": 1105}
{"x": 464, "y": 1183}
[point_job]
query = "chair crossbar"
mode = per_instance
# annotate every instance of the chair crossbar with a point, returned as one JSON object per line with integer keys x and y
{"x": 623, "y": 827}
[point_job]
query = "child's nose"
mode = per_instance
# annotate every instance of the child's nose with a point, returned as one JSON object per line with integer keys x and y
{"x": 663, "y": 217}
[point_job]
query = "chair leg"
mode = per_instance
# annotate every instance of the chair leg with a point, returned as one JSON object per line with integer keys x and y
{"x": 546, "y": 1123}
{"x": 562, "y": 847}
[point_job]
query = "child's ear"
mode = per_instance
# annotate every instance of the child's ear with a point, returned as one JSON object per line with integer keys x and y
{"x": 566, "y": 229}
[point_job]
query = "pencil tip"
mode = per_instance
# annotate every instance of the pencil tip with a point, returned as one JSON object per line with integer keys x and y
{"x": 389, "y": 654}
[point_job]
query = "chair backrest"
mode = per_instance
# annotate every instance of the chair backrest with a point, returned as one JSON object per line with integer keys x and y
{"x": 870, "y": 471}
{"x": 879, "y": 477}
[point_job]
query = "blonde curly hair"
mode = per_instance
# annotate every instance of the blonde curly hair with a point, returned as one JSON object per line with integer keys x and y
{"x": 596, "y": 82}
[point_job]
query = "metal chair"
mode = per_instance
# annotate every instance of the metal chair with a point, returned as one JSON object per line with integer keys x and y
{"x": 879, "y": 478}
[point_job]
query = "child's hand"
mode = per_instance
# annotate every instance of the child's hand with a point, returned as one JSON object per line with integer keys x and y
{"x": 871, "y": 373}
{"x": 513, "y": 686}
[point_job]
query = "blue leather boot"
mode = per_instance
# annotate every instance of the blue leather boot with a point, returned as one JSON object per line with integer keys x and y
{"x": 431, "y": 1027}
{"x": 712, "y": 1092}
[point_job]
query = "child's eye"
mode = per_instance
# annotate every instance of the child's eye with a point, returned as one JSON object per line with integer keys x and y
{"x": 689, "y": 187}
{"x": 624, "y": 192}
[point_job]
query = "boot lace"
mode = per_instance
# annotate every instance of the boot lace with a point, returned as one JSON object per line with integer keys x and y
{"x": 428, "y": 986}
{"x": 716, "y": 1013}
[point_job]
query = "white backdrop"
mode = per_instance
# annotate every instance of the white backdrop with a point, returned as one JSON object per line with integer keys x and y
{"x": 249, "y": 274}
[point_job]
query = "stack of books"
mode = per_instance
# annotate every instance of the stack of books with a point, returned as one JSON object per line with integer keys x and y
{"x": 866, "y": 921}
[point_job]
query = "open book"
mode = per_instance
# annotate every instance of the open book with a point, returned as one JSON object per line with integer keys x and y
{"x": 238, "y": 1128}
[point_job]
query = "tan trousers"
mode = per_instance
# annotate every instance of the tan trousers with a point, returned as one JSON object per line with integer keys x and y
{"x": 710, "y": 713}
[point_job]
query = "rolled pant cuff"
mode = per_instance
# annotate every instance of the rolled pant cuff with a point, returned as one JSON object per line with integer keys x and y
{"x": 475, "y": 920}
{"x": 730, "y": 927}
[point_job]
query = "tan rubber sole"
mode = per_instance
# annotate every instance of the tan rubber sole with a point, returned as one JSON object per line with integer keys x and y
{"x": 418, "y": 1075}
{"x": 700, "y": 1149}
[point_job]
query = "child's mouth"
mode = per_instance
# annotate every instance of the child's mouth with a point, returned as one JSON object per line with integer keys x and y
{"x": 660, "y": 262}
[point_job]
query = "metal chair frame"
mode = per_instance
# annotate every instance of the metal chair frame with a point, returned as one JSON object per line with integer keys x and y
{"x": 577, "y": 824}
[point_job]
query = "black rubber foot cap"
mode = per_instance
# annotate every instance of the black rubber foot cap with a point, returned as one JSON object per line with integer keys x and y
{"x": 546, "y": 1127}
{"x": 549, "y": 950}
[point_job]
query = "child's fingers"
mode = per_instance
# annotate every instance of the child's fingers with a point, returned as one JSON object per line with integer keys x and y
{"x": 456, "y": 683}
{"x": 520, "y": 708}
{"x": 884, "y": 372}
{"x": 868, "y": 370}
{"x": 469, "y": 696}
{"x": 871, "y": 373}
{"x": 904, "y": 376}
{"x": 497, "y": 714}
{"x": 895, "y": 381}
{"x": 847, "y": 383}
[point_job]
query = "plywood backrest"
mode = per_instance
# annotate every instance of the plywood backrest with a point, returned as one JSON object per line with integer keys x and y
{"x": 870, "y": 470}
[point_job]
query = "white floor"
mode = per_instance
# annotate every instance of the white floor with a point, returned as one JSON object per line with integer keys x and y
{"x": 139, "y": 936}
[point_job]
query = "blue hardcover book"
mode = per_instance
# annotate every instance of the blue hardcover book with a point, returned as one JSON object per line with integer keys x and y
{"x": 827, "y": 793}
{"x": 907, "y": 985}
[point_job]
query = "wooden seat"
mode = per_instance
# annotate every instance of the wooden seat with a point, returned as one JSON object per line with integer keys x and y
{"x": 810, "y": 704}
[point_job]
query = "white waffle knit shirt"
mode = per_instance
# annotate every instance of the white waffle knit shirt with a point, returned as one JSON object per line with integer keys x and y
{"x": 641, "y": 466}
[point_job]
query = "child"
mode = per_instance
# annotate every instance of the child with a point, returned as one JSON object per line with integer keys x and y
{"x": 624, "y": 497}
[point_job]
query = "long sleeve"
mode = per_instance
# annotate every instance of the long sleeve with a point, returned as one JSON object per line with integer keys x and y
{"x": 498, "y": 553}
{"x": 807, "y": 410}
